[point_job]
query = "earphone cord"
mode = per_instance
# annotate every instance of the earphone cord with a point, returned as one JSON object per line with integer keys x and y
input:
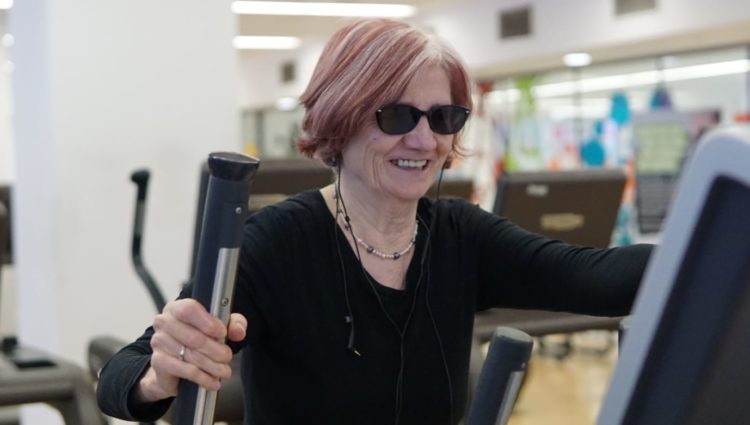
{"x": 350, "y": 315}
{"x": 359, "y": 257}
{"x": 341, "y": 209}
{"x": 340, "y": 204}
{"x": 427, "y": 298}
{"x": 437, "y": 333}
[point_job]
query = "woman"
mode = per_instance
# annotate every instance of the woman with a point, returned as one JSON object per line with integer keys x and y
{"x": 354, "y": 303}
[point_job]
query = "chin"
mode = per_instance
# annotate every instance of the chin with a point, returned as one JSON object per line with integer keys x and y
{"x": 411, "y": 194}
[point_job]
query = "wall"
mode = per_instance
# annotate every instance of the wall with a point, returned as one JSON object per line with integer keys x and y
{"x": 7, "y": 170}
{"x": 260, "y": 74}
{"x": 102, "y": 88}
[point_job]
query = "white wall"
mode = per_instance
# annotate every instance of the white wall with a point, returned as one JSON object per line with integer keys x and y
{"x": 260, "y": 74}
{"x": 102, "y": 87}
{"x": 7, "y": 170}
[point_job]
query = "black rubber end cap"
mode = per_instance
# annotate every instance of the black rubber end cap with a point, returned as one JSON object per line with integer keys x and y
{"x": 140, "y": 176}
{"x": 232, "y": 166}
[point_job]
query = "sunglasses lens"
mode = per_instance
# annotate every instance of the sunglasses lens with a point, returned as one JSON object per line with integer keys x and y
{"x": 448, "y": 119}
{"x": 398, "y": 119}
{"x": 401, "y": 119}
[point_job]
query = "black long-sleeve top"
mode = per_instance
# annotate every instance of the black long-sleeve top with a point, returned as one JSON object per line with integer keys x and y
{"x": 297, "y": 273}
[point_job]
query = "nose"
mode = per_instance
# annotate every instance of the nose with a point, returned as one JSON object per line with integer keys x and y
{"x": 421, "y": 137}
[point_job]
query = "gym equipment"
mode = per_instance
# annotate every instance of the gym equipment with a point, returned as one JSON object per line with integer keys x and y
{"x": 578, "y": 207}
{"x": 28, "y": 375}
{"x": 501, "y": 377}
{"x": 140, "y": 178}
{"x": 684, "y": 357}
{"x": 101, "y": 348}
{"x": 6, "y": 248}
{"x": 280, "y": 178}
{"x": 221, "y": 236}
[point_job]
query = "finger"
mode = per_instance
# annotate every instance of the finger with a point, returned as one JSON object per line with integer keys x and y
{"x": 166, "y": 346}
{"x": 193, "y": 313}
{"x": 237, "y": 328}
{"x": 162, "y": 341}
{"x": 205, "y": 364}
{"x": 166, "y": 367}
{"x": 167, "y": 327}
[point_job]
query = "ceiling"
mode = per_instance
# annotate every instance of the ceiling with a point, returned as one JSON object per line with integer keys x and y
{"x": 319, "y": 27}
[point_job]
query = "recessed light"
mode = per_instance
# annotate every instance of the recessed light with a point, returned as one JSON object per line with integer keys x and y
{"x": 8, "y": 40}
{"x": 577, "y": 59}
{"x": 286, "y": 103}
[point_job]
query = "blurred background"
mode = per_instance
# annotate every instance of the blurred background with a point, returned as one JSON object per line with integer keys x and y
{"x": 91, "y": 90}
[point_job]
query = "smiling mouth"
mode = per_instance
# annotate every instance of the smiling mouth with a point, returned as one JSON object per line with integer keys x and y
{"x": 408, "y": 164}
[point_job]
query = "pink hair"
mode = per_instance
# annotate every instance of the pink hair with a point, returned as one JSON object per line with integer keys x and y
{"x": 365, "y": 65}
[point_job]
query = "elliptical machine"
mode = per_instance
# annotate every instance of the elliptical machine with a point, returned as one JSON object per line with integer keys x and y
{"x": 230, "y": 405}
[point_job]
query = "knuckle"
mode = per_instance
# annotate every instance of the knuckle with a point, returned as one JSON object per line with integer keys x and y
{"x": 221, "y": 371}
{"x": 185, "y": 308}
{"x": 158, "y": 340}
{"x": 196, "y": 375}
{"x": 158, "y": 359}
{"x": 160, "y": 321}
{"x": 226, "y": 354}
{"x": 227, "y": 372}
{"x": 195, "y": 340}
{"x": 221, "y": 329}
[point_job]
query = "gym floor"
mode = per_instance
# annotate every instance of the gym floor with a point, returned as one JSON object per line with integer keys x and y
{"x": 567, "y": 391}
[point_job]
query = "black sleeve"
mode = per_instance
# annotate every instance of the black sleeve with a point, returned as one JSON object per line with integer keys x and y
{"x": 262, "y": 263}
{"x": 519, "y": 269}
{"x": 118, "y": 378}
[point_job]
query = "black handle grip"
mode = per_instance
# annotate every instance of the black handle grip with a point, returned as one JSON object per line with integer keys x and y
{"x": 232, "y": 166}
{"x": 501, "y": 376}
{"x": 140, "y": 178}
{"x": 221, "y": 235}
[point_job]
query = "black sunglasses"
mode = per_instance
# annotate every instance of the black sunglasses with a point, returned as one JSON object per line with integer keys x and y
{"x": 401, "y": 119}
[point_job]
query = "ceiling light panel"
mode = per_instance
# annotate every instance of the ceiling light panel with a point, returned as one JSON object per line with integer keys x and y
{"x": 265, "y": 42}
{"x": 322, "y": 9}
{"x": 634, "y": 79}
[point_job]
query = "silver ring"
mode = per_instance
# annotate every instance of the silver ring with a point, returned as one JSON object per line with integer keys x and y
{"x": 182, "y": 353}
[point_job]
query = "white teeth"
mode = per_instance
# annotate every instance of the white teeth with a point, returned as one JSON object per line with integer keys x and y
{"x": 405, "y": 163}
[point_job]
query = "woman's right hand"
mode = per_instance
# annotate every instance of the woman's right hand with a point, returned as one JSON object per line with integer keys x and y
{"x": 184, "y": 326}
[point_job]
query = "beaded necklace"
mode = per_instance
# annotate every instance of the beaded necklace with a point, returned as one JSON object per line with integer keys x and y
{"x": 371, "y": 249}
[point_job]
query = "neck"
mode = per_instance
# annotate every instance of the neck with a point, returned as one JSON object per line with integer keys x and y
{"x": 377, "y": 212}
{"x": 379, "y": 220}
